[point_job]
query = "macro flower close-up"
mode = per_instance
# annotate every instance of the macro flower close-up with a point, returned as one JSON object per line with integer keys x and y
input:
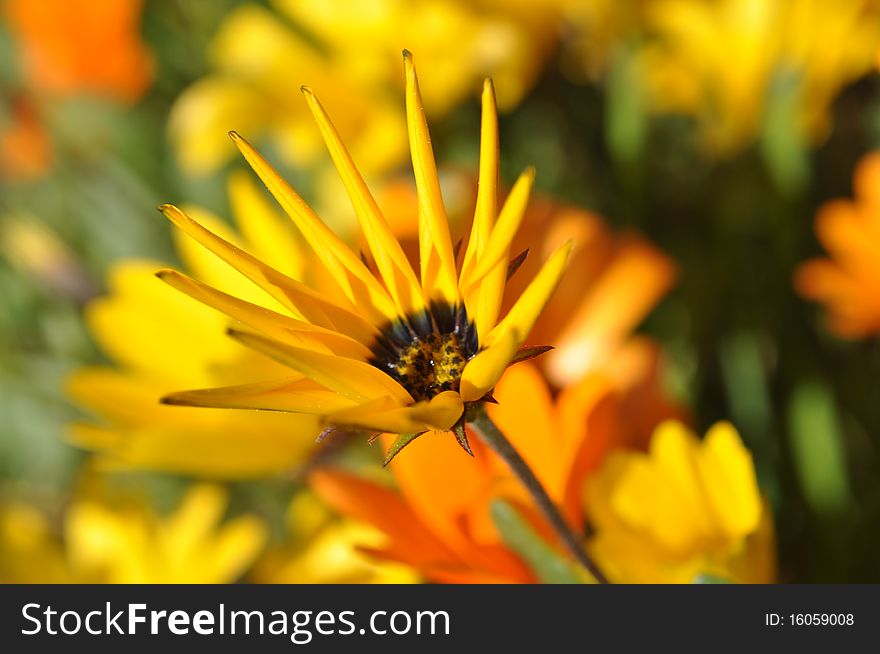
{"x": 591, "y": 299}
{"x": 389, "y": 352}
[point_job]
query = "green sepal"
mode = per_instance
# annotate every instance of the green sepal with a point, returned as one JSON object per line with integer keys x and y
{"x": 530, "y": 352}
{"x": 399, "y": 443}
{"x": 461, "y": 436}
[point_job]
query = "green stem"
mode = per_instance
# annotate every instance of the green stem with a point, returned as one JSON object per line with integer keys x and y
{"x": 489, "y": 433}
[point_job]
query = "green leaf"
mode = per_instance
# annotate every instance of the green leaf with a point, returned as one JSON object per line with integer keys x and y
{"x": 545, "y": 562}
{"x": 626, "y": 124}
{"x": 818, "y": 449}
{"x": 782, "y": 142}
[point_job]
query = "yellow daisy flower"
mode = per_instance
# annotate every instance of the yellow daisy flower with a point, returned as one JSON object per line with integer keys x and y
{"x": 387, "y": 351}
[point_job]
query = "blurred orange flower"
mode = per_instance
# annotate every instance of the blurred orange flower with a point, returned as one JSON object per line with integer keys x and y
{"x": 89, "y": 45}
{"x": 439, "y": 522}
{"x": 848, "y": 281}
{"x": 25, "y": 148}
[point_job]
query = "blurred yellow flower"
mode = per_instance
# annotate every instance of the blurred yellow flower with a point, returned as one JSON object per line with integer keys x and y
{"x": 133, "y": 545}
{"x": 685, "y": 508}
{"x": 321, "y": 548}
{"x": 721, "y": 61}
{"x": 461, "y": 43}
{"x": 130, "y": 544}
{"x": 350, "y": 55}
{"x": 593, "y": 31}
{"x": 29, "y": 553}
{"x": 161, "y": 341}
{"x": 848, "y": 281}
{"x": 255, "y": 58}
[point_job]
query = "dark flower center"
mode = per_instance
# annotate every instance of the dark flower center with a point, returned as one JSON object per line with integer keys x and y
{"x": 427, "y": 353}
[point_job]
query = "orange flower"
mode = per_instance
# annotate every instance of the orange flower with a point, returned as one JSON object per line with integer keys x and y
{"x": 25, "y": 150}
{"x": 612, "y": 283}
{"x": 439, "y": 520}
{"x": 89, "y": 45}
{"x": 848, "y": 282}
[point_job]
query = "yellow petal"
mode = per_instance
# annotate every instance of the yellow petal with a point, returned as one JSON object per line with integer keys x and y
{"x": 483, "y": 300}
{"x": 483, "y": 371}
{"x": 398, "y": 275}
{"x": 276, "y": 325}
{"x": 232, "y": 550}
{"x": 208, "y": 267}
{"x": 728, "y": 475}
{"x": 487, "y": 188}
{"x": 435, "y": 244}
{"x": 356, "y": 380}
{"x": 387, "y": 415}
{"x": 256, "y": 444}
{"x": 441, "y": 412}
{"x": 145, "y": 326}
{"x": 528, "y": 307}
{"x": 90, "y": 437}
{"x": 483, "y": 286}
{"x": 293, "y": 394}
{"x": 297, "y": 297}
{"x": 355, "y": 279}
{"x": 497, "y": 248}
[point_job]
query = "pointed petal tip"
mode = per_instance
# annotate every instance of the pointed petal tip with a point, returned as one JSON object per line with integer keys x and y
{"x": 488, "y": 85}
{"x": 409, "y": 65}
{"x": 174, "y": 400}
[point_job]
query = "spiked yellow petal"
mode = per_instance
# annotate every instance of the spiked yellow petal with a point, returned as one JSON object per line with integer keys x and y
{"x": 293, "y": 394}
{"x": 396, "y": 272}
{"x": 497, "y": 248}
{"x": 484, "y": 370}
{"x": 528, "y": 307}
{"x": 296, "y": 296}
{"x": 350, "y": 273}
{"x": 275, "y": 325}
{"x": 435, "y": 244}
{"x": 487, "y": 185}
{"x": 353, "y": 379}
